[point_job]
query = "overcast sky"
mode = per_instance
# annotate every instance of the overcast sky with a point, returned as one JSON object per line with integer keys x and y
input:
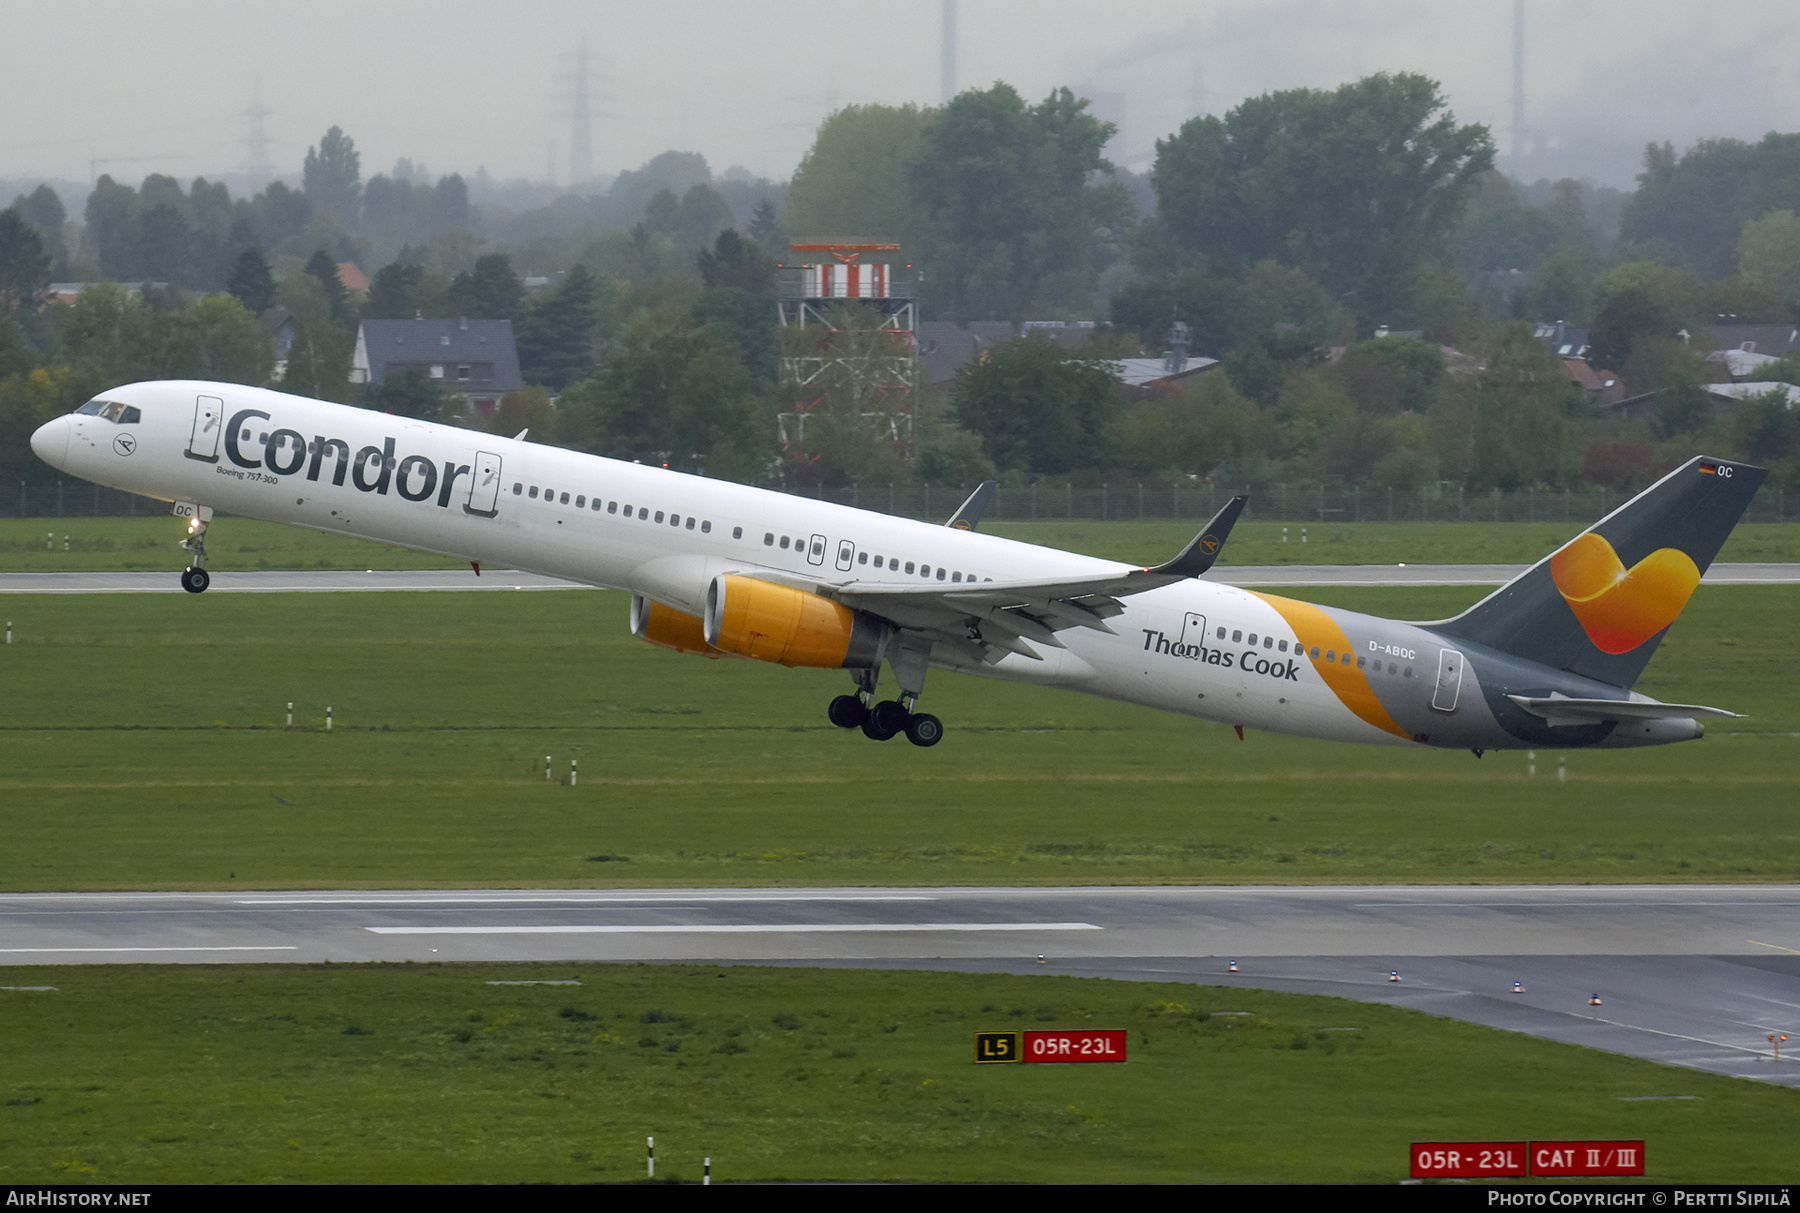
{"x": 146, "y": 86}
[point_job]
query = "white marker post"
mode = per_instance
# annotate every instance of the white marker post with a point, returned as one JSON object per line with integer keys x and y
{"x": 1562, "y": 772}
{"x": 650, "y": 1155}
{"x": 706, "y": 1173}
{"x": 571, "y": 772}
{"x": 1531, "y": 763}
{"x": 546, "y": 768}
{"x": 290, "y": 715}
{"x": 9, "y": 631}
{"x": 328, "y": 718}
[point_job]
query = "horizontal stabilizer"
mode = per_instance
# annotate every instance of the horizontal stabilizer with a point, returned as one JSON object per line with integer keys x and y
{"x": 1560, "y": 710}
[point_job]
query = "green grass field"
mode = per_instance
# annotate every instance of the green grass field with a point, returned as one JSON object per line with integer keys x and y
{"x": 429, "y": 1074}
{"x": 142, "y": 745}
{"x": 115, "y": 544}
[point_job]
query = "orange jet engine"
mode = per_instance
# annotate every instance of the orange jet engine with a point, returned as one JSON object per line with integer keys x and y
{"x": 778, "y": 623}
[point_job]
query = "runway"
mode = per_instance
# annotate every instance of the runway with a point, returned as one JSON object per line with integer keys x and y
{"x": 1688, "y": 975}
{"x": 338, "y": 581}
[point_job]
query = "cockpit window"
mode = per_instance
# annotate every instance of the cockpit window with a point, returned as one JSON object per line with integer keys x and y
{"x": 111, "y": 410}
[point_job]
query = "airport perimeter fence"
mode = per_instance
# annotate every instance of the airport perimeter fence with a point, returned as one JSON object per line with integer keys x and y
{"x": 1050, "y": 501}
{"x": 1191, "y": 501}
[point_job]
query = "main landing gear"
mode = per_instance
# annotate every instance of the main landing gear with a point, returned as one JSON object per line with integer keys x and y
{"x": 194, "y": 578}
{"x": 883, "y": 720}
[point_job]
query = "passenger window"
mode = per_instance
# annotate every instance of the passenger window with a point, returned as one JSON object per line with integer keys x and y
{"x": 909, "y": 566}
{"x": 705, "y": 527}
{"x": 565, "y": 499}
{"x": 1236, "y": 636}
{"x": 769, "y": 539}
{"x": 784, "y": 543}
{"x": 818, "y": 548}
{"x": 1268, "y": 642}
{"x": 924, "y": 570}
{"x": 1221, "y": 634}
{"x": 1281, "y": 647}
{"x": 612, "y": 507}
{"x": 1315, "y": 652}
{"x": 644, "y": 513}
{"x": 877, "y": 562}
{"x": 1406, "y": 673}
{"x": 534, "y": 492}
{"x": 517, "y": 488}
{"x": 940, "y": 573}
{"x": 581, "y": 502}
{"x": 1251, "y": 639}
{"x": 597, "y": 504}
{"x": 1359, "y": 663}
{"x": 1331, "y": 656}
{"x": 690, "y": 523}
{"x": 862, "y": 558}
{"x": 659, "y": 515}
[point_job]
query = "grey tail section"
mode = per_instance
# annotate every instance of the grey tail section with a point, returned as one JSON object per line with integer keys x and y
{"x": 1691, "y": 510}
{"x": 968, "y": 515}
{"x": 1199, "y": 555}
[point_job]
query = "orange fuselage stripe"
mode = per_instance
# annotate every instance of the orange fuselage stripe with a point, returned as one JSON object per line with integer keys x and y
{"x": 1317, "y": 630}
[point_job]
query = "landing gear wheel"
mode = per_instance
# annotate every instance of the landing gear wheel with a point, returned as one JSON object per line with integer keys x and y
{"x": 890, "y": 716}
{"x": 847, "y": 712}
{"x": 925, "y": 730}
{"x": 873, "y": 730}
{"x": 195, "y": 581}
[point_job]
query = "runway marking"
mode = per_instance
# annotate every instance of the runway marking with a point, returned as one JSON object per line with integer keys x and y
{"x": 1586, "y": 905}
{"x": 1631, "y": 1027}
{"x": 1759, "y": 943}
{"x": 743, "y": 928}
{"x": 598, "y": 898}
{"x": 230, "y": 948}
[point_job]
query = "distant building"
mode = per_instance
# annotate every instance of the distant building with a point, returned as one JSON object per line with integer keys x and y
{"x": 354, "y": 280}
{"x": 277, "y": 325}
{"x": 1743, "y": 348}
{"x": 1603, "y": 387}
{"x": 476, "y": 357}
{"x": 1561, "y": 339}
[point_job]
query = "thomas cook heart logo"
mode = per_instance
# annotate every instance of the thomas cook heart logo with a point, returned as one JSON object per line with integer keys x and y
{"x": 1618, "y": 608}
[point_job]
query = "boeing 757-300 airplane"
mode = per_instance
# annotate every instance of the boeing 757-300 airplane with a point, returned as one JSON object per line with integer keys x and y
{"x": 721, "y": 569}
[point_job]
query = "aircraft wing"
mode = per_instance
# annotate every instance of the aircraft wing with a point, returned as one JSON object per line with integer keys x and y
{"x": 990, "y": 619}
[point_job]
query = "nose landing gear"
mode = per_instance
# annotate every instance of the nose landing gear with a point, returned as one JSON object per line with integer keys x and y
{"x": 195, "y": 578}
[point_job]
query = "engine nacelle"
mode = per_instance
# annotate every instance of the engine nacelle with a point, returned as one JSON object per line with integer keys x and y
{"x": 789, "y": 627}
{"x": 669, "y": 628}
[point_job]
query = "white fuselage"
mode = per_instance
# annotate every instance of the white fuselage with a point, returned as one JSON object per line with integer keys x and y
{"x": 665, "y": 535}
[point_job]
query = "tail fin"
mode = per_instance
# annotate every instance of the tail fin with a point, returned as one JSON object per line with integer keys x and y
{"x": 1599, "y": 605}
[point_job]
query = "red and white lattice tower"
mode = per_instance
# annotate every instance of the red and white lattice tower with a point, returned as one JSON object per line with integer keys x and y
{"x": 875, "y": 379}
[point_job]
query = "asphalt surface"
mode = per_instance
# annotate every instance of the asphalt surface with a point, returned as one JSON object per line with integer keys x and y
{"x": 1688, "y": 975}
{"x": 326, "y": 581}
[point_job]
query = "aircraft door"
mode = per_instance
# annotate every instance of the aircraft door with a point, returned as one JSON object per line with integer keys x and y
{"x": 815, "y": 551}
{"x": 484, "y": 489}
{"x": 1449, "y": 680}
{"x": 846, "y": 555}
{"x": 209, "y": 423}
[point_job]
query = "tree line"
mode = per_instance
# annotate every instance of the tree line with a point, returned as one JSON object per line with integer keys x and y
{"x": 1282, "y": 233}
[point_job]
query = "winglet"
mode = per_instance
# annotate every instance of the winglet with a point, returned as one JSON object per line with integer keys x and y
{"x": 1198, "y": 556}
{"x": 969, "y": 513}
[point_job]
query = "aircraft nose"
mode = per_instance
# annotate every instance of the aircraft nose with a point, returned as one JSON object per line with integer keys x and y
{"x": 51, "y": 442}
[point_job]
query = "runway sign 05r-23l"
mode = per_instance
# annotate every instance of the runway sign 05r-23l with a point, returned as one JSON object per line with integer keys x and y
{"x": 1001, "y": 1047}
